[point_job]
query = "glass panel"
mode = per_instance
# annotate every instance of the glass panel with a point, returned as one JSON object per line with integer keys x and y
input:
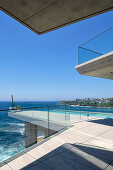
{"x": 84, "y": 116}
{"x": 96, "y": 46}
{"x": 74, "y": 116}
{"x": 34, "y": 113}
{"x": 58, "y": 118}
{"x": 86, "y": 55}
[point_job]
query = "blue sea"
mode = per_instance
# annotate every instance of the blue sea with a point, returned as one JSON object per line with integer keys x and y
{"x": 12, "y": 130}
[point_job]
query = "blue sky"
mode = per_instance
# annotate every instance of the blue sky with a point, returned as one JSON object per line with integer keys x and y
{"x": 34, "y": 67}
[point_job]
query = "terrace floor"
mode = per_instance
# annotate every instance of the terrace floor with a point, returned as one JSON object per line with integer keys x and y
{"x": 86, "y": 145}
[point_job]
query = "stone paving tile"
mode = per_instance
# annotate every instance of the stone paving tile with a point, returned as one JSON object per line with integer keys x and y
{"x": 52, "y": 145}
{"x": 95, "y": 151}
{"x": 104, "y": 127}
{"x": 58, "y": 140}
{"x": 82, "y": 125}
{"x": 75, "y": 137}
{"x": 63, "y": 163}
{"x": 39, "y": 166}
{"x": 21, "y": 161}
{"x": 105, "y": 140}
{"x": 104, "y": 122}
{"x": 81, "y": 133}
{"x": 100, "y": 143}
{"x": 93, "y": 130}
{"x": 73, "y": 140}
{"x": 86, "y": 159}
{"x": 110, "y": 167}
{"x": 61, "y": 144}
{"x": 107, "y": 135}
{"x": 38, "y": 152}
{"x": 5, "y": 167}
{"x": 76, "y": 133}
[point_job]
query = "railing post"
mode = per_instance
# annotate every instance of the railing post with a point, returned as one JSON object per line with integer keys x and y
{"x": 48, "y": 120}
{"x": 88, "y": 116}
{"x": 65, "y": 113}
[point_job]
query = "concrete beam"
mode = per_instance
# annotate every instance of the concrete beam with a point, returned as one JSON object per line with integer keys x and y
{"x": 42, "y": 16}
{"x": 101, "y": 66}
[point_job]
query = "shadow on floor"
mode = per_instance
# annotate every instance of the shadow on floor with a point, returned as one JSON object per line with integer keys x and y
{"x": 73, "y": 157}
{"x": 106, "y": 121}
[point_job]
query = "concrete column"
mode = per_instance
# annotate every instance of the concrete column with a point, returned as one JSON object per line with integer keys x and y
{"x": 30, "y": 134}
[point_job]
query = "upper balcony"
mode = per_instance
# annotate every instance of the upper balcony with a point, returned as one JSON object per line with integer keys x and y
{"x": 96, "y": 56}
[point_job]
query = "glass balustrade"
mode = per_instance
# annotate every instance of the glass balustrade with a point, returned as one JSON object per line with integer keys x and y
{"x": 97, "y": 46}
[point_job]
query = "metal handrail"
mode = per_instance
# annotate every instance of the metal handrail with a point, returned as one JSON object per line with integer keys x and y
{"x": 27, "y": 108}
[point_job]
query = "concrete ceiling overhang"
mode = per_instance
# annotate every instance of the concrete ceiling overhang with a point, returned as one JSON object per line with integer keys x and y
{"x": 42, "y": 16}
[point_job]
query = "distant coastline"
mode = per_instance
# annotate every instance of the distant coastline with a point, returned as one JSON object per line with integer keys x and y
{"x": 90, "y": 102}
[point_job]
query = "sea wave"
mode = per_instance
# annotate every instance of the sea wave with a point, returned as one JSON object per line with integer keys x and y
{"x": 8, "y": 151}
{"x": 17, "y": 124}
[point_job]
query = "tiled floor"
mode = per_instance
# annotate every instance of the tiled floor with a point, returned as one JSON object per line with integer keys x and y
{"x": 85, "y": 146}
